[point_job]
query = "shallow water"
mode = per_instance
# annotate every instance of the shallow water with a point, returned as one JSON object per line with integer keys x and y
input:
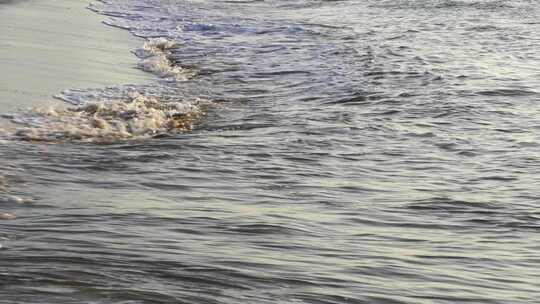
{"x": 353, "y": 152}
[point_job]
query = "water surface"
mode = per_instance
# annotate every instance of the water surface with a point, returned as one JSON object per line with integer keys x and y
{"x": 350, "y": 152}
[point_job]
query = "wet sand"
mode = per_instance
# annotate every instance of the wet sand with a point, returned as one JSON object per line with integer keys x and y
{"x": 50, "y": 46}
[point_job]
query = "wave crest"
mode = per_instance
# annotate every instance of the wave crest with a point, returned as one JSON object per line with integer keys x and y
{"x": 155, "y": 58}
{"x": 136, "y": 118}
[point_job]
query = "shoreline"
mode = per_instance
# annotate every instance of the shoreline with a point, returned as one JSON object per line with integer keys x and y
{"x": 58, "y": 45}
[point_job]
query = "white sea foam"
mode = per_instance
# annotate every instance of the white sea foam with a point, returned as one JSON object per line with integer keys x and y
{"x": 138, "y": 117}
{"x": 7, "y": 216}
{"x": 16, "y": 199}
{"x": 155, "y": 58}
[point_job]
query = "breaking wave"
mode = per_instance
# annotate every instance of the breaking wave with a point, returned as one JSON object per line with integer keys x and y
{"x": 109, "y": 115}
{"x": 155, "y": 57}
{"x": 114, "y": 113}
{"x": 138, "y": 117}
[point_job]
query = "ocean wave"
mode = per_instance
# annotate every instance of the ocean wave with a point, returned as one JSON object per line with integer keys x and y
{"x": 7, "y": 216}
{"x": 138, "y": 117}
{"x": 3, "y": 183}
{"x": 452, "y": 4}
{"x": 155, "y": 57}
{"x": 115, "y": 113}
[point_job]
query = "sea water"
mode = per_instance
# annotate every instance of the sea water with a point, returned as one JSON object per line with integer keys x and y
{"x": 287, "y": 152}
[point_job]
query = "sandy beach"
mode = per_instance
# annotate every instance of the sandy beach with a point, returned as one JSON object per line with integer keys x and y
{"x": 50, "y": 46}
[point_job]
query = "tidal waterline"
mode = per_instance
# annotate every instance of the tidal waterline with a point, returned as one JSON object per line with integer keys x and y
{"x": 373, "y": 152}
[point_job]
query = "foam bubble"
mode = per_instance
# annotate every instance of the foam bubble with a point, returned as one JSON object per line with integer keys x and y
{"x": 15, "y": 199}
{"x": 7, "y": 216}
{"x": 155, "y": 46}
{"x": 155, "y": 58}
{"x": 138, "y": 117}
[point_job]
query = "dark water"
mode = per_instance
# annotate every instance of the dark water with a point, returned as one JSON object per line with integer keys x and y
{"x": 355, "y": 152}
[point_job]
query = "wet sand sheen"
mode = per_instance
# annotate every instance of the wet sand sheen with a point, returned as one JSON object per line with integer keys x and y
{"x": 55, "y": 45}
